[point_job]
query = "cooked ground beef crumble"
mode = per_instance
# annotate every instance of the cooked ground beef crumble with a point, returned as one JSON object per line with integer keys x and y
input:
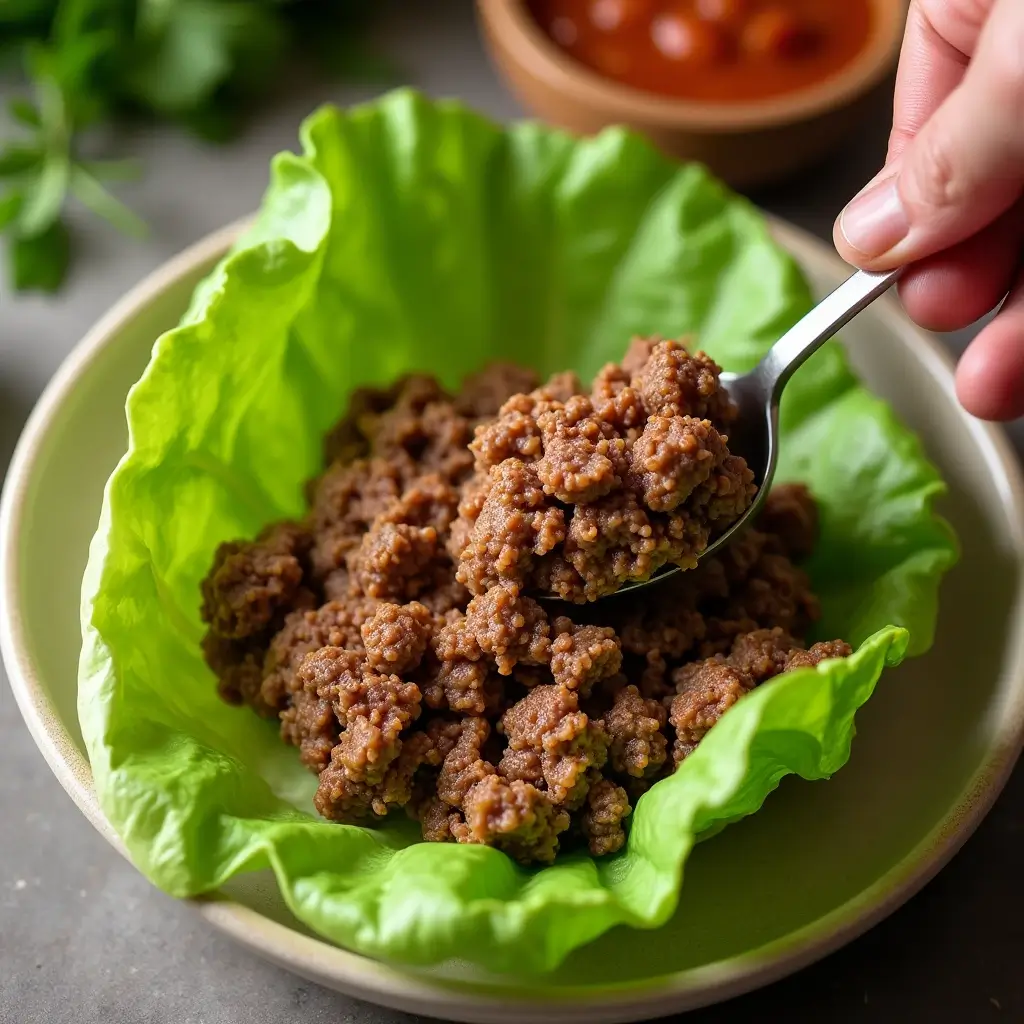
{"x": 392, "y": 633}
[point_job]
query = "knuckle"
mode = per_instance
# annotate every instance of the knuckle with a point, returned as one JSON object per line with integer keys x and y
{"x": 958, "y": 22}
{"x": 936, "y": 182}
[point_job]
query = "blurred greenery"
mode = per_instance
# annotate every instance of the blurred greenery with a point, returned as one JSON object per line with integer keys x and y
{"x": 202, "y": 63}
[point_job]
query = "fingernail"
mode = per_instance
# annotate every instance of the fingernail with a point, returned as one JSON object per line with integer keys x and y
{"x": 875, "y": 220}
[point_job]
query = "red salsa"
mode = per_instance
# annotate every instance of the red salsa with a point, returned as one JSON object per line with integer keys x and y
{"x": 710, "y": 50}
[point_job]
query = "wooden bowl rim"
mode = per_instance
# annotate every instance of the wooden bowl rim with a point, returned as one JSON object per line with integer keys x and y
{"x": 513, "y": 29}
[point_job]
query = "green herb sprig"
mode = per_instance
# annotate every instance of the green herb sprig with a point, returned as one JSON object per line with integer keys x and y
{"x": 202, "y": 63}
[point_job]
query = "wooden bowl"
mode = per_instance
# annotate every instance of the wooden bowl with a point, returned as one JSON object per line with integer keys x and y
{"x": 744, "y": 144}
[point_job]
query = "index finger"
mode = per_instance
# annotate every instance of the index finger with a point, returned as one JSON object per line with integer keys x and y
{"x": 938, "y": 43}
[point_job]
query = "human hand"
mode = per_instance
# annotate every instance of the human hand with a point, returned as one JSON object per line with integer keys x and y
{"x": 949, "y": 199}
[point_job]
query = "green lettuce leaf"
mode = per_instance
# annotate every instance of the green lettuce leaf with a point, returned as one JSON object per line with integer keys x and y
{"x": 414, "y": 235}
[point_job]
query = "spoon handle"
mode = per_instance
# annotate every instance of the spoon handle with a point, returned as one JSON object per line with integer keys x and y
{"x": 830, "y": 315}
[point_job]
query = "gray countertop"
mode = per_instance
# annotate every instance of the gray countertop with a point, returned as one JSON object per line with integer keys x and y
{"x": 84, "y": 939}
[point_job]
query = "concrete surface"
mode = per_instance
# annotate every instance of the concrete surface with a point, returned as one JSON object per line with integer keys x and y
{"x": 84, "y": 939}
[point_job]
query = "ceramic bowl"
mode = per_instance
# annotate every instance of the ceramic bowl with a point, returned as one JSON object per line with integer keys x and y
{"x": 934, "y": 745}
{"x": 744, "y": 144}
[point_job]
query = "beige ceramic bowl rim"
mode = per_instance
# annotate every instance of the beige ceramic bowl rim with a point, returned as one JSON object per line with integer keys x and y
{"x": 511, "y": 22}
{"x": 404, "y": 989}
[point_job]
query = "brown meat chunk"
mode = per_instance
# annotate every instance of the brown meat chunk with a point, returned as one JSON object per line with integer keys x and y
{"x": 464, "y": 765}
{"x": 428, "y": 500}
{"x": 513, "y": 435}
{"x": 776, "y": 593}
{"x": 469, "y": 686}
{"x": 437, "y": 820}
{"x": 725, "y": 495}
{"x": 761, "y": 654}
{"x": 674, "y": 382}
{"x": 548, "y": 721}
{"x": 342, "y": 797}
{"x": 583, "y": 458}
{"x": 672, "y": 457}
{"x": 310, "y": 724}
{"x": 583, "y": 655}
{"x": 515, "y": 525}
{"x": 394, "y": 560}
{"x": 513, "y": 816}
{"x": 251, "y": 583}
{"x": 335, "y": 624}
{"x": 396, "y": 636}
{"x": 374, "y": 711}
{"x": 637, "y": 355}
{"x": 428, "y": 431}
{"x": 611, "y": 542}
{"x": 509, "y": 627}
{"x": 817, "y": 654}
{"x": 560, "y": 387}
{"x": 616, "y": 402}
{"x": 483, "y": 393}
{"x": 672, "y": 626}
{"x": 340, "y": 677}
{"x": 637, "y": 745}
{"x": 707, "y": 689}
{"x": 525, "y": 765}
{"x": 607, "y": 807}
{"x": 790, "y": 514}
{"x": 346, "y": 499}
{"x": 238, "y": 666}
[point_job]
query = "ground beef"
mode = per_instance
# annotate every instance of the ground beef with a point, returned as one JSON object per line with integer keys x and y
{"x": 672, "y": 457}
{"x": 394, "y": 560}
{"x": 513, "y": 816}
{"x": 637, "y": 745}
{"x": 464, "y": 766}
{"x": 393, "y": 635}
{"x": 707, "y": 689}
{"x": 606, "y": 808}
{"x": 583, "y": 655}
{"x": 396, "y": 636}
{"x": 584, "y": 457}
{"x": 238, "y": 665}
{"x": 483, "y": 393}
{"x": 427, "y": 500}
{"x": 548, "y": 722}
{"x": 790, "y": 516}
{"x": 508, "y": 627}
{"x": 252, "y": 583}
{"x": 309, "y": 723}
{"x": 611, "y": 542}
{"x": 584, "y": 494}
{"x": 513, "y": 435}
{"x": 471, "y": 687}
{"x": 335, "y": 624}
{"x": 674, "y": 382}
{"x": 514, "y": 526}
{"x": 616, "y": 402}
{"x": 816, "y": 654}
{"x": 761, "y": 654}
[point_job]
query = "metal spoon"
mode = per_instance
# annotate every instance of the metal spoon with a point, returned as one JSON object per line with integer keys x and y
{"x": 755, "y": 434}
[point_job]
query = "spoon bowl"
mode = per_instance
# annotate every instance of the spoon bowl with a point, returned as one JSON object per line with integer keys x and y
{"x": 755, "y": 434}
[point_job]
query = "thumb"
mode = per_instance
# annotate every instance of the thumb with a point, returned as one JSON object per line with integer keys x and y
{"x": 963, "y": 169}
